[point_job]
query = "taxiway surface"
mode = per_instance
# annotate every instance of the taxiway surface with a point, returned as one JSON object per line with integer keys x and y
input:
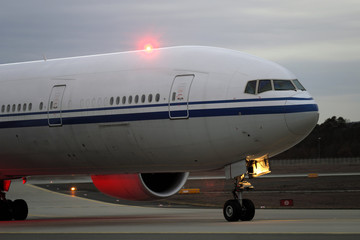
{"x": 58, "y": 216}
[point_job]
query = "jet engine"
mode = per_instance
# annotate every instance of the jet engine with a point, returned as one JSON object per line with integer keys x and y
{"x": 142, "y": 186}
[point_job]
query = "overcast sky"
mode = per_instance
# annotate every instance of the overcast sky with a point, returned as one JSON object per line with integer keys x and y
{"x": 319, "y": 41}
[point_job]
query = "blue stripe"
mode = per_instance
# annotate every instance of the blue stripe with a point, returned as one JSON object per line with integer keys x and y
{"x": 165, "y": 115}
{"x": 158, "y": 105}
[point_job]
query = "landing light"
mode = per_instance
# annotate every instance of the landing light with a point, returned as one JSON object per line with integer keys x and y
{"x": 73, "y": 189}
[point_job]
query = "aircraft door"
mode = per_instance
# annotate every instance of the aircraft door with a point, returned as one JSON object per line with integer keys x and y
{"x": 55, "y": 105}
{"x": 179, "y": 96}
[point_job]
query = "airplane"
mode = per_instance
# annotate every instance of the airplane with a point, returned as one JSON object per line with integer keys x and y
{"x": 138, "y": 122}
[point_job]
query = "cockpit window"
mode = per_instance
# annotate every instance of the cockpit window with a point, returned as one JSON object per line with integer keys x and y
{"x": 264, "y": 85}
{"x": 251, "y": 87}
{"x": 283, "y": 85}
{"x": 298, "y": 85}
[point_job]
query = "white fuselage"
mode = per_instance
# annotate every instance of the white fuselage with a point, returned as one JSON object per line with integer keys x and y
{"x": 188, "y": 112}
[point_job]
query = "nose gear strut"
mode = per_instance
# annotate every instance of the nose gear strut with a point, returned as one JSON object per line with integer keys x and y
{"x": 238, "y": 208}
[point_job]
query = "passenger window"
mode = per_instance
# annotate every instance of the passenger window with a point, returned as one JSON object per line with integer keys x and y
{"x": 250, "y": 87}
{"x": 298, "y": 85}
{"x": 130, "y": 99}
{"x": 157, "y": 97}
{"x": 8, "y": 108}
{"x": 19, "y": 107}
{"x": 283, "y": 85}
{"x": 264, "y": 85}
{"x": 24, "y": 107}
{"x": 13, "y": 107}
{"x": 41, "y": 105}
{"x": 136, "y": 99}
{"x": 143, "y": 98}
{"x": 173, "y": 96}
{"x": 112, "y": 101}
{"x": 30, "y": 106}
{"x": 117, "y": 100}
{"x": 3, "y": 108}
{"x": 150, "y": 98}
{"x": 123, "y": 100}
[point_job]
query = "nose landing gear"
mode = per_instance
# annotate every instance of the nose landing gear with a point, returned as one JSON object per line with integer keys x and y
{"x": 238, "y": 208}
{"x": 11, "y": 210}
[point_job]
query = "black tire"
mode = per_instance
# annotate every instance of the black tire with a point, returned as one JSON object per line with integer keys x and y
{"x": 20, "y": 209}
{"x": 6, "y": 210}
{"x": 247, "y": 210}
{"x": 232, "y": 210}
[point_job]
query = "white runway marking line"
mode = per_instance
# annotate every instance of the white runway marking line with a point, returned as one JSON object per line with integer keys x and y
{"x": 82, "y": 198}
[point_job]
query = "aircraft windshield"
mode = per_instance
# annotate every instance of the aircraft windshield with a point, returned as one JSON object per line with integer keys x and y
{"x": 264, "y": 85}
{"x": 251, "y": 87}
{"x": 283, "y": 85}
{"x": 298, "y": 85}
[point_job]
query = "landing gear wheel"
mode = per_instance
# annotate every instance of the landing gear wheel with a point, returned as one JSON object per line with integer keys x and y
{"x": 232, "y": 210}
{"x": 9, "y": 210}
{"x": 247, "y": 210}
{"x": 20, "y": 209}
{"x": 239, "y": 208}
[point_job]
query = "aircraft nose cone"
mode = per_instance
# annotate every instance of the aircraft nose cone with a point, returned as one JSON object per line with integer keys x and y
{"x": 303, "y": 121}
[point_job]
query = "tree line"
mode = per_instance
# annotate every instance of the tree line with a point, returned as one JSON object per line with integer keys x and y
{"x": 334, "y": 138}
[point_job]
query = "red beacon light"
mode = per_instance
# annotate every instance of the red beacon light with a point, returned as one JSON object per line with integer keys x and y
{"x": 148, "y": 48}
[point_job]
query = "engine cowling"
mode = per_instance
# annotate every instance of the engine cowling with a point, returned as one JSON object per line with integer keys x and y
{"x": 142, "y": 186}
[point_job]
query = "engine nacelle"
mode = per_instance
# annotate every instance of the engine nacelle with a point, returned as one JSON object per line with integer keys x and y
{"x": 142, "y": 186}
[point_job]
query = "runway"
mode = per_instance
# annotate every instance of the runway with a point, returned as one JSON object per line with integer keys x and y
{"x": 62, "y": 216}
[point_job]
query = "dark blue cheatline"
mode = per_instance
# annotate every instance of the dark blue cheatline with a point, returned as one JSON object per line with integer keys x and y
{"x": 157, "y": 105}
{"x": 128, "y": 117}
